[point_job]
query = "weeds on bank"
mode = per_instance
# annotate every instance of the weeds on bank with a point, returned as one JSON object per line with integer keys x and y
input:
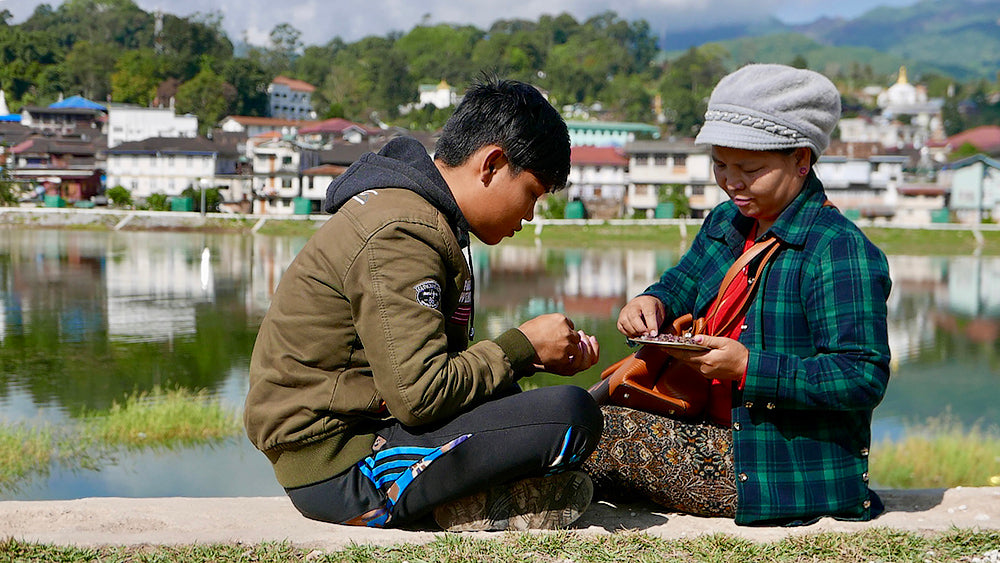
{"x": 158, "y": 419}
{"x": 939, "y": 453}
{"x": 872, "y": 544}
{"x": 24, "y": 451}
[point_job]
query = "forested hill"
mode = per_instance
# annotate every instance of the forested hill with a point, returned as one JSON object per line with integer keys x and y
{"x": 111, "y": 50}
{"x": 958, "y": 38}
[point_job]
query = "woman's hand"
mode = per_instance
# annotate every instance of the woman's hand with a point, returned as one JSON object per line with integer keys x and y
{"x": 641, "y": 316}
{"x": 725, "y": 360}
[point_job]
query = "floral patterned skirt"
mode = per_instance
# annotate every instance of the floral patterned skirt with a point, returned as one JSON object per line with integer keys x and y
{"x": 684, "y": 466}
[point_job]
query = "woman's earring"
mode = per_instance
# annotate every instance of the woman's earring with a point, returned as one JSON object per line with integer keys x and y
{"x": 803, "y": 171}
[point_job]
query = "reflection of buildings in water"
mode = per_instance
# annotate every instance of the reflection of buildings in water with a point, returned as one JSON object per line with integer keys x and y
{"x": 972, "y": 290}
{"x": 153, "y": 287}
{"x": 269, "y": 257}
{"x": 932, "y": 292}
{"x": 514, "y": 283}
{"x": 47, "y": 271}
{"x": 917, "y": 282}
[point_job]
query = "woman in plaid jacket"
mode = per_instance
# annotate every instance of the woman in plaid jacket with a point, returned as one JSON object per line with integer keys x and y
{"x": 786, "y": 434}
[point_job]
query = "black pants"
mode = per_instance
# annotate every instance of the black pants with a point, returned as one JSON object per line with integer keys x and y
{"x": 412, "y": 470}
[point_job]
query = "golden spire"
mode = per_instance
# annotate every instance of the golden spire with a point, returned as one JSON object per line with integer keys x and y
{"x": 902, "y": 75}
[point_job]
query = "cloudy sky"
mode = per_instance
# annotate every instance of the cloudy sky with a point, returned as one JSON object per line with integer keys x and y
{"x": 321, "y": 20}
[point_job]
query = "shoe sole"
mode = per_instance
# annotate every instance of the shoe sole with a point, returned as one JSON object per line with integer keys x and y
{"x": 543, "y": 503}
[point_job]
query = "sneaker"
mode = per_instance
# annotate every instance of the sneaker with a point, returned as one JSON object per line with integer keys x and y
{"x": 538, "y": 503}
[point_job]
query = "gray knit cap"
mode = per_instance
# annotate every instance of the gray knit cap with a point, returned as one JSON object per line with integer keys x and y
{"x": 764, "y": 107}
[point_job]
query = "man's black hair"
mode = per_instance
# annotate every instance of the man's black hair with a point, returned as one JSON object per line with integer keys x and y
{"x": 514, "y": 116}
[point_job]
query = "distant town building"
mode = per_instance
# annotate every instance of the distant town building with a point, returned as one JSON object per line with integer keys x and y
{"x": 289, "y": 98}
{"x": 66, "y": 116}
{"x": 252, "y": 126}
{"x": 162, "y": 165}
{"x": 653, "y": 164}
{"x": 135, "y": 123}
{"x": 598, "y": 176}
{"x": 65, "y": 167}
{"x": 440, "y": 95}
{"x": 975, "y": 188}
{"x": 336, "y": 130}
{"x": 609, "y": 133}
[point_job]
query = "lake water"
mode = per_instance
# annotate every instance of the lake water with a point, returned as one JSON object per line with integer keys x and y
{"x": 89, "y": 317}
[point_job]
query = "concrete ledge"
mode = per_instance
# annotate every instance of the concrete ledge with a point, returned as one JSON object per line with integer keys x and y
{"x": 250, "y": 520}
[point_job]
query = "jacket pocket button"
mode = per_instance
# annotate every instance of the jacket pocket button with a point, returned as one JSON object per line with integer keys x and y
{"x": 736, "y": 426}
{"x": 743, "y": 477}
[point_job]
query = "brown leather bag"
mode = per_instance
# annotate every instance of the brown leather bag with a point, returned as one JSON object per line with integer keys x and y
{"x": 650, "y": 380}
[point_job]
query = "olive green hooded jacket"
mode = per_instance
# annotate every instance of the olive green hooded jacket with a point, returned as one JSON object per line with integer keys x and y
{"x": 370, "y": 324}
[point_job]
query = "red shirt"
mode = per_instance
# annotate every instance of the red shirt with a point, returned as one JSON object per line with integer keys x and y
{"x": 720, "y": 393}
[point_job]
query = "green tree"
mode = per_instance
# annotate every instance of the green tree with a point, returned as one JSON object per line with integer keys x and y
{"x": 206, "y": 95}
{"x": 30, "y": 63}
{"x": 686, "y": 84}
{"x": 156, "y": 202}
{"x": 184, "y": 42}
{"x": 9, "y": 191}
{"x": 86, "y": 69}
{"x": 137, "y": 74}
{"x": 250, "y": 83}
{"x": 119, "y": 196}
{"x": 439, "y": 52}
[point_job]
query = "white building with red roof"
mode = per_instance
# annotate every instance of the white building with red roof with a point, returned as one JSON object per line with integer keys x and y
{"x": 598, "y": 176}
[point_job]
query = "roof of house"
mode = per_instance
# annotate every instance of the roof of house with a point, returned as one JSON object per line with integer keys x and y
{"x": 972, "y": 160}
{"x": 199, "y": 145}
{"x": 344, "y": 154}
{"x": 922, "y": 190}
{"x": 677, "y": 146}
{"x": 294, "y": 84}
{"x": 325, "y": 170}
{"x": 598, "y": 156}
{"x": 335, "y": 125}
{"x": 613, "y": 126}
{"x": 249, "y": 120}
{"x": 985, "y": 138}
{"x": 78, "y": 102}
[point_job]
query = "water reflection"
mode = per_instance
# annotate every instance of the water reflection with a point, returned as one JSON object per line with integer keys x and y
{"x": 90, "y": 317}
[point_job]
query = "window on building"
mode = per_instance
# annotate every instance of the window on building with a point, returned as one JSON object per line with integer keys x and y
{"x": 680, "y": 160}
{"x": 660, "y": 160}
{"x": 286, "y": 182}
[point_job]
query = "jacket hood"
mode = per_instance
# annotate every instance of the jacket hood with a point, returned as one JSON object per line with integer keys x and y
{"x": 401, "y": 163}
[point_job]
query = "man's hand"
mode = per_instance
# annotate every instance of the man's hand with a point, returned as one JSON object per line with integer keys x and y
{"x": 559, "y": 348}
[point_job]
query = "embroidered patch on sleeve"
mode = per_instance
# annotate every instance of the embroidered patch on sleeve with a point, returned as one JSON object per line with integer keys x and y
{"x": 429, "y": 294}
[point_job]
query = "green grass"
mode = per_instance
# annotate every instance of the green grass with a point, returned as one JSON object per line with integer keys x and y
{"x": 939, "y": 453}
{"x": 24, "y": 452}
{"x": 921, "y": 242}
{"x": 161, "y": 418}
{"x": 873, "y": 544}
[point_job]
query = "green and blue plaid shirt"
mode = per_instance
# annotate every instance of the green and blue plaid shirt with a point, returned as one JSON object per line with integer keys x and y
{"x": 819, "y": 357}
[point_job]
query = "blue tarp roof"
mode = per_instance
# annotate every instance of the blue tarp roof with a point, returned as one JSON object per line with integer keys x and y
{"x": 78, "y": 102}
{"x": 15, "y": 117}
